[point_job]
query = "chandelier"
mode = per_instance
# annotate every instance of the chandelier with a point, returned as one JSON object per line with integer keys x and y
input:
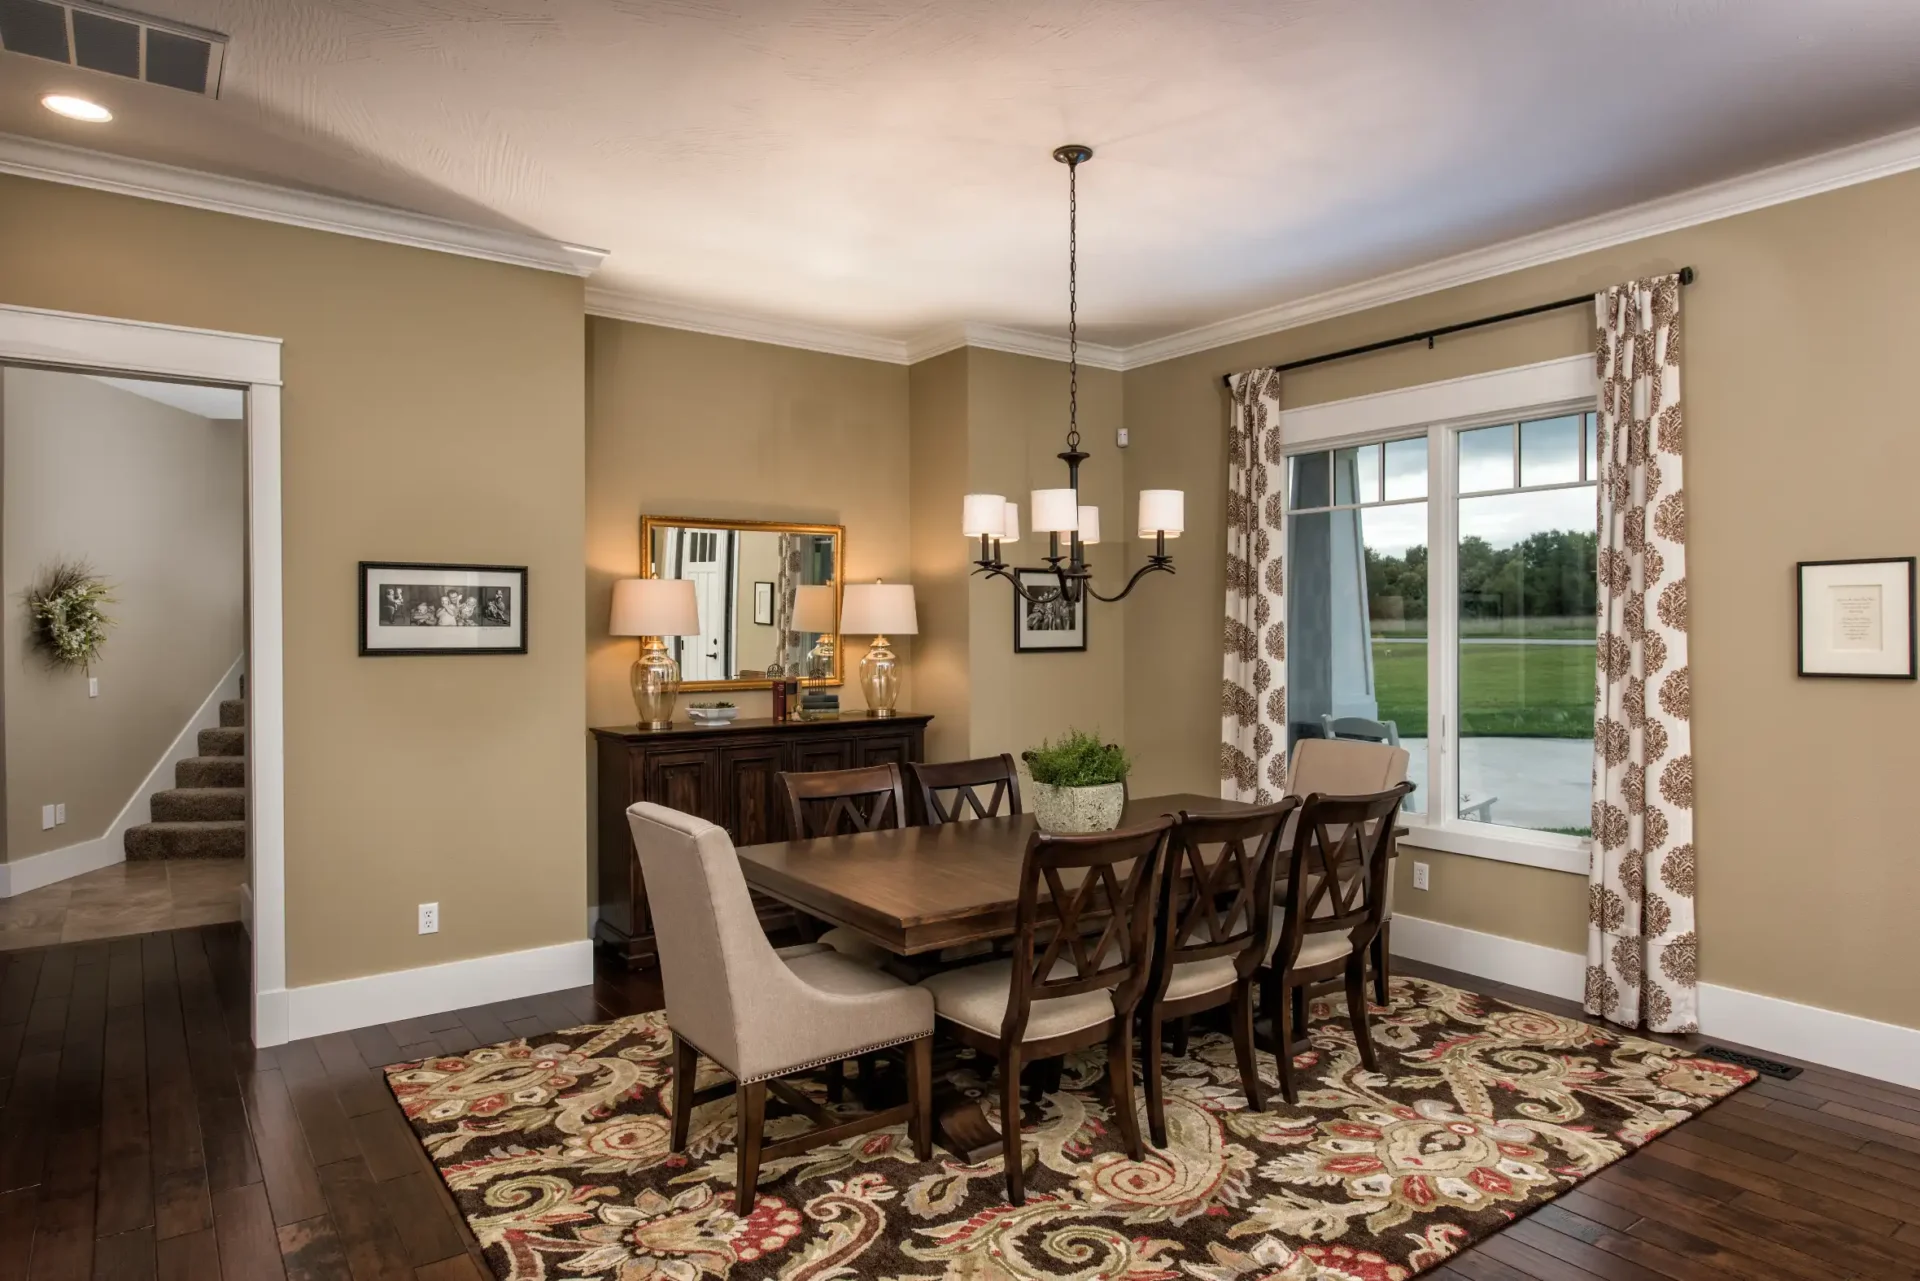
{"x": 1056, "y": 512}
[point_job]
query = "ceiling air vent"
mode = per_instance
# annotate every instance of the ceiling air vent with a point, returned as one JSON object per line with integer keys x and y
{"x": 102, "y": 38}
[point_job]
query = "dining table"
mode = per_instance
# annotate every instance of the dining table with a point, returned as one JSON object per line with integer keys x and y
{"x": 916, "y": 891}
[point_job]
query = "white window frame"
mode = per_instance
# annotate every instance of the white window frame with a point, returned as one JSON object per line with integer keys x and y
{"x": 1441, "y": 411}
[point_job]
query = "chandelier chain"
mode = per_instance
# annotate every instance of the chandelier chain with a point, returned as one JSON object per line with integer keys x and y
{"x": 1073, "y": 305}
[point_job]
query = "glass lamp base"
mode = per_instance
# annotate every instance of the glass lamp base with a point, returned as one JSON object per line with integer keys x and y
{"x": 656, "y": 685}
{"x": 880, "y": 678}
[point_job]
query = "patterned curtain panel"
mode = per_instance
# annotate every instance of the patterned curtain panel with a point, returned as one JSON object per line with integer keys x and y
{"x": 1642, "y": 956}
{"x": 1253, "y": 694}
{"x": 786, "y": 645}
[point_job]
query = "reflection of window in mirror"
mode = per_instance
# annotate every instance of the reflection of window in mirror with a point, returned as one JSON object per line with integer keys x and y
{"x": 751, "y": 584}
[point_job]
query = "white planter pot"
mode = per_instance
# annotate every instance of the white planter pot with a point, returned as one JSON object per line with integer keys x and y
{"x": 1071, "y": 810}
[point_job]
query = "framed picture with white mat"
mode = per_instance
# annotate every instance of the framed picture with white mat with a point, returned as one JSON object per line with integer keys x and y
{"x": 1857, "y": 618}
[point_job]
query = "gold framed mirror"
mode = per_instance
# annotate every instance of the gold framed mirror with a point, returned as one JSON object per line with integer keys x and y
{"x": 768, "y": 593}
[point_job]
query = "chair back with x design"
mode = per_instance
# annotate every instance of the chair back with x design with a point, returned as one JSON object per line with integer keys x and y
{"x": 1221, "y": 870}
{"x": 1069, "y": 885}
{"x": 841, "y": 801}
{"x": 961, "y": 783}
{"x": 1338, "y": 868}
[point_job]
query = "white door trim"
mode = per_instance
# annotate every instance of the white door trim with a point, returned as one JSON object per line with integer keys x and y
{"x": 102, "y": 344}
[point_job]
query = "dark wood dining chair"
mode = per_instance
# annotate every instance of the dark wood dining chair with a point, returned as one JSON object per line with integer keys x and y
{"x": 1336, "y": 899}
{"x": 836, "y": 802}
{"x": 1215, "y": 930}
{"x": 1064, "y": 989}
{"x": 962, "y": 782}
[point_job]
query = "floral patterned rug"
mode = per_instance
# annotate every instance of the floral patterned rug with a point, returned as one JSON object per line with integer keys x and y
{"x": 556, "y": 1151}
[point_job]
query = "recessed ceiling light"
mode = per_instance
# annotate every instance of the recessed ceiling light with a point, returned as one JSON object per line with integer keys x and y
{"x": 76, "y": 108}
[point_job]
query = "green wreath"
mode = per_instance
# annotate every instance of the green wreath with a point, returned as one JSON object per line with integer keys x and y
{"x": 69, "y": 624}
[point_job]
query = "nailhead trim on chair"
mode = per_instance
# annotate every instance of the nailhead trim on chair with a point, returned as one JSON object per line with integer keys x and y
{"x": 838, "y": 1058}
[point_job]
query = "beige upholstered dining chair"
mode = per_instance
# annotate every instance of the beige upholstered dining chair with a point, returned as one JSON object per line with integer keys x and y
{"x": 1213, "y": 938}
{"x": 762, "y": 1014}
{"x": 1336, "y": 899}
{"x": 1345, "y": 767}
{"x": 1063, "y": 989}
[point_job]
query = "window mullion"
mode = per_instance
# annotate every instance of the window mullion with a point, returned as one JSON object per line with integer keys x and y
{"x": 1442, "y": 729}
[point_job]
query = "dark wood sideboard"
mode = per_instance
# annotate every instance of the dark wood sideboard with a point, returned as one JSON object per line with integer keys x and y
{"x": 727, "y": 774}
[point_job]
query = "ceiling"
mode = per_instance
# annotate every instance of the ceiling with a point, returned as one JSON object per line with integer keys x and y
{"x": 883, "y": 165}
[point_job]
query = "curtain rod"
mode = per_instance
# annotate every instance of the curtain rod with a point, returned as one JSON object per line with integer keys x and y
{"x": 1428, "y": 335}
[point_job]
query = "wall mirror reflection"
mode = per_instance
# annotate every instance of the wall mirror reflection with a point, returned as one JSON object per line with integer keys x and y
{"x": 768, "y": 595}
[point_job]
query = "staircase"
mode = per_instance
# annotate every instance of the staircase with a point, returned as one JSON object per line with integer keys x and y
{"x": 204, "y": 814}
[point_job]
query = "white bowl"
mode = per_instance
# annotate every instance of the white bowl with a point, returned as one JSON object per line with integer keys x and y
{"x": 716, "y": 715}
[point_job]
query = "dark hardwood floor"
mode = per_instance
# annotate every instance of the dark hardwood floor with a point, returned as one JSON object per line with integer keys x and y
{"x": 143, "y": 1137}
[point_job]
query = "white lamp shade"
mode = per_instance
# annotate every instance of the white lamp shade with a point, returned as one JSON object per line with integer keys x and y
{"x": 879, "y": 609}
{"x": 1055, "y": 511}
{"x": 1011, "y": 532}
{"x": 981, "y": 515}
{"x": 1089, "y": 526}
{"x": 654, "y": 607}
{"x": 1162, "y": 511}
{"x": 813, "y": 608}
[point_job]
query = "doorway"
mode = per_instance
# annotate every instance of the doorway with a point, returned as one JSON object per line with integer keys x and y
{"x": 109, "y": 348}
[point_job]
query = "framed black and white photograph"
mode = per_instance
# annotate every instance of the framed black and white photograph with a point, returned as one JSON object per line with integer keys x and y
{"x": 1047, "y": 623}
{"x": 763, "y": 604}
{"x": 1857, "y": 618}
{"x": 408, "y": 608}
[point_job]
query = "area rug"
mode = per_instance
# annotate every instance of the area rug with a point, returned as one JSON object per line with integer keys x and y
{"x": 556, "y": 1150}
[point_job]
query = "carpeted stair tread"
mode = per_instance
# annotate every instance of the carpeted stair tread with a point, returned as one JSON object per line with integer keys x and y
{"x": 199, "y": 804}
{"x": 233, "y": 712}
{"x": 211, "y": 771}
{"x": 226, "y": 838}
{"x": 225, "y": 741}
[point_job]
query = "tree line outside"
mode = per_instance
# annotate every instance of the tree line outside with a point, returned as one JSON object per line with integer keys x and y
{"x": 1541, "y": 588}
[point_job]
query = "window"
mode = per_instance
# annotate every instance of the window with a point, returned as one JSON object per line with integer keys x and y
{"x": 1490, "y": 690}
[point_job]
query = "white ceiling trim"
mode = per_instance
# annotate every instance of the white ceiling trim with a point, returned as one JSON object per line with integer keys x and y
{"x": 1795, "y": 180}
{"x": 616, "y": 305}
{"x": 1019, "y": 342}
{"x": 80, "y": 167}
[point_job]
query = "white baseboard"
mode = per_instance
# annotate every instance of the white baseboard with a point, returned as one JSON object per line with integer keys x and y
{"x": 1884, "y": 1051}
{"x": 36, "y": 870}
{"x": 296, "y": 1013}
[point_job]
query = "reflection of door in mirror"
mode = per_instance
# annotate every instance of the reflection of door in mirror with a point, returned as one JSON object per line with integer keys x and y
{"x": 742, "y": 573}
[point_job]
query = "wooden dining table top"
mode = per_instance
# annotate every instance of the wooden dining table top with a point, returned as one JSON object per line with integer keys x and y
{"x": 914, "y": 890}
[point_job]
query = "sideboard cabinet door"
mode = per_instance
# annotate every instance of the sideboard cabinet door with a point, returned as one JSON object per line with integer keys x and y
{"x": 754, "y": 801}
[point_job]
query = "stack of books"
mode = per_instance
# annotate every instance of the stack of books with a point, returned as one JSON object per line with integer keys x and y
{"x": 818, "y": 705}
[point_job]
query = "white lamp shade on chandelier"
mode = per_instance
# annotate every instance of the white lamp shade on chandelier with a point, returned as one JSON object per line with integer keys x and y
{"x": 1055, "y": 511}
{"x": 654, "y": 607}
{"x": 1162, "y": 511}
{"x": 879, "y": 609}
{"x": 813, "y": 608}
{"x": 1089, "y": 526}
{"x": 982, "y": 515}
{"x": 1010, "y": 533}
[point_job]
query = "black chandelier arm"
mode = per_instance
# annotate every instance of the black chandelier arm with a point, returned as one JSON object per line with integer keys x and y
{"x": 1162, "y": 565}
{"x": 993, "y": 569}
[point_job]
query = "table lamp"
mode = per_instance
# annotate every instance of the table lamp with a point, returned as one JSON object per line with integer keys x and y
{"x": 813, "y": 612}
{"x": 875, "y": 609}
{"x": 654, "y": 609}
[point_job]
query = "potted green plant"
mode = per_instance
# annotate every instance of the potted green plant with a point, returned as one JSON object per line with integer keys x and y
{"x": 1079, "y": 783}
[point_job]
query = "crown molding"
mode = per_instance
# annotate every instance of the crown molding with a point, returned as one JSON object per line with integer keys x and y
{"x": 122, "y": 175}
{"x": 617, "y": 305}
{"x": 1795, "y": 180}
{"x": 1021, "y": 342}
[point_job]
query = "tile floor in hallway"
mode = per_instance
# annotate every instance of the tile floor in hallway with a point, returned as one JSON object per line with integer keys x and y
{"x": 123, "y": 899}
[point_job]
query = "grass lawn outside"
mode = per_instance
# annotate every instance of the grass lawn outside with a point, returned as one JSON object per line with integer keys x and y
{"x": 1506, "y": 690}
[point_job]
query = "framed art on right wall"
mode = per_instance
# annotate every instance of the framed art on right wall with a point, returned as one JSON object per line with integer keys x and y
{"x": 1857, "y": 618}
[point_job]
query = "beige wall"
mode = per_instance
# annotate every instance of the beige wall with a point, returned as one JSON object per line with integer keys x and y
{"x": 432, "y": 411}
{"x": 937, "y": 399}
{"x": 154, "y": 498}
{"x": 1800, "y": 447}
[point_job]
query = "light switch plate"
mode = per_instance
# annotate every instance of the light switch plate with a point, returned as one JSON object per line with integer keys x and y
{"x": 93, "y": 687}
{"x": 429, "y": 918}
{"x": 1420, "y": 878}
{"x": 59, "y": 813}
{"x": 47, "y": 819}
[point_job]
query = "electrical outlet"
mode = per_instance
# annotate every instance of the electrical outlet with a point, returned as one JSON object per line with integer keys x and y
{"x": 59, "y": 813}
{"x": 47, "y": 819}
{"x": 429, "y": 918}
{"x": 1120, "y": 437}
{"x": 93, "y": 687}
{"x": 1420, "y": 878}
